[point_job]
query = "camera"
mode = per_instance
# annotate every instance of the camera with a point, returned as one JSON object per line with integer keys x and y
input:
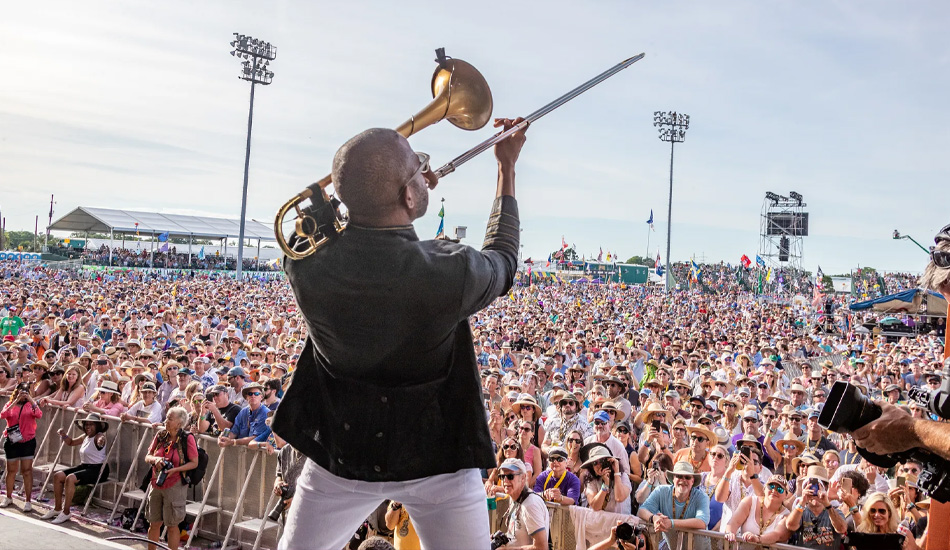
{"x": 848, "y": 409}
{"x": 625, "y": 532}
{"x": 499, "y": 539}
{"x": 286, "y": 492}
{"x": 163, "y": 472}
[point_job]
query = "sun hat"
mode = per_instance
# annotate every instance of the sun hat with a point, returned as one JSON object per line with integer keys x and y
{"x": 513, "y": 465}
{"x": 710, "y": 436}
{"x": 596, "y": 452}
{"x": 108, "y": 386}
{"x": 101, "y": 425}
{"x": 250, "y": 387}
{"x": 806, "y": 458}
{"x": 781, "y": 443}
{"x": 610, "y": 406}
{"x": 525, "y": 400}
{"x": 818, "y": 472}
{"x": 683, "y": 468}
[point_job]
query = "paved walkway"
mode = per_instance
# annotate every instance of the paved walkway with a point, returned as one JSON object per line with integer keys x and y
{"x": 19, "y": 531}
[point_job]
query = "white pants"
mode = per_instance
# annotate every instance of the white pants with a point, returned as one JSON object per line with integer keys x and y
{"x": 449, "y": 511}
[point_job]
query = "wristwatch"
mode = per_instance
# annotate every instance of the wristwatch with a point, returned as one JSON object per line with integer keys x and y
{"x": 853, "y": 510}
{"x": 754, "y": 476}
{"x": 911, "y": 506}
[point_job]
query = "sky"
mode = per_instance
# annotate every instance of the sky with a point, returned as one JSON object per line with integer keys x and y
{"x": 139, "y": 106}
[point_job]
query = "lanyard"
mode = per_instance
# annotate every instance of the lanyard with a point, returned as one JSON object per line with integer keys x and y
{"x": 685, "y": 505}
{"x": 550, "y": 475}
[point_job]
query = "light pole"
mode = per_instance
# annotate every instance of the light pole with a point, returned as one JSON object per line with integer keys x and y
{"x": 898, "y": 236}
{"x": 672, "y": 126}
{"x": 257, "y": 55}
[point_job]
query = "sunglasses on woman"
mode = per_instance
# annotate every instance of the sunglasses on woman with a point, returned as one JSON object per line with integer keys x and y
{"x": 509, "y": 447}
{"x": 878, "y": 512}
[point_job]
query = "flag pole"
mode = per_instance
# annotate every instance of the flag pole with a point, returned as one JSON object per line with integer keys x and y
{"x": 648, "y": 242}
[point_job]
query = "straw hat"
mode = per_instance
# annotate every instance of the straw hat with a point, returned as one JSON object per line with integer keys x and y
{"x": 525, "y": 400}
{"x": 818, "y": 472}
{"x": 806, "y": 458}
{"x": 610, "y": 406}
{"x": 727, "y": 399}
{"x": 780, "y": 444}
{"x": 108, "y": 386}
{"x": 647, "y": 414}
{"x": 684, "y": 468}
{"x": 710, "y": 436}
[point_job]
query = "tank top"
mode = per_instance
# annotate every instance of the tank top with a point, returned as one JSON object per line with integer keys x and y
{"x": 89, "y": 454}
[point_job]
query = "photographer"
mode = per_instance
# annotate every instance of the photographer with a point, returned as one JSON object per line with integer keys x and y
{"x": 605, "y": 485}
{"x": 527, "y": 517}
{"x": 813, "y": 521}
{"x": 638, "y": 539}
{"x": 172, "y": 452}
{"x": 19, "y": 442}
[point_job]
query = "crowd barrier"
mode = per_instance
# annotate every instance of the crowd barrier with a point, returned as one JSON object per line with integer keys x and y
{"x": 229, "y": 505}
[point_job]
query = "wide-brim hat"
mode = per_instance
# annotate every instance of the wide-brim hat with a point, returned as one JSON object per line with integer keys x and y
{"x": 819, "y": 472}
{"x": 251, "y": 386}
{"x": 710, "y": 436}
{"x": 108, "y": 386}
{"x": 592, "y": 452}
{"x": 101, "y": 425}
{"x": 682, "y": 384}
{"x": 806, "y": 458}
{"x": 727, "y": 399}
{"x": 647, "y": 414}
{"x": 610, "y": 406}
{"x": 749, "y": 440}
{"x": 525, "y": 400}
{"x": 561, "y": 395}
{"x": 143, "y": 376}
{"x": 780, "y": 444}
{"x": 684, "y": 468}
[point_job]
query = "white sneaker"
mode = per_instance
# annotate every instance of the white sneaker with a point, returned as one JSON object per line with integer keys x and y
{"x": 50, "y": 515}
{"x": 6, "y": 502}
{"x": 27, "y": 507}
{"x": 61, "y": 518}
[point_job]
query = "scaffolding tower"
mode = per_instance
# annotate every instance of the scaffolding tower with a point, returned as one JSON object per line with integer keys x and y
{"x": 784, "y": 224}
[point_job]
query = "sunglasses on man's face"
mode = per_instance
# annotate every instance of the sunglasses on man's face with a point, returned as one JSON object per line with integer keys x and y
{"x": 508, "y": 477}
{"x": 776, "y": 487}
{"x": 698, "y": 438}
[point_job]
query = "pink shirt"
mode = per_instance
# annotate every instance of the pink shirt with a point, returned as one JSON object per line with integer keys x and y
{"x": 27, "y": 420}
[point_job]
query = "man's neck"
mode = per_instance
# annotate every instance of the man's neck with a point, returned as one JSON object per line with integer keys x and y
{"x": 813, "y": 436}
{"x": 681, "y": 495}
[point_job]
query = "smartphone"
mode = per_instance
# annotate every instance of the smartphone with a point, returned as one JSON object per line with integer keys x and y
{"x": 901, "y": 481}
{"x": 657, "y": 425}
{"x": 747, "y": 451}
{"x": 846, "y": 484}
{"x": 814, "y": 485}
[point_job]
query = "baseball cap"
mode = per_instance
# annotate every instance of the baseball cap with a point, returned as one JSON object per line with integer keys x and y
{"x": 514, "y": 465}
{"x": 602, "y": 416}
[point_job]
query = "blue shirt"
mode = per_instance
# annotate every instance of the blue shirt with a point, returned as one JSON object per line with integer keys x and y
{"x": 251, "y": 424}
{"x": 660, "y": 501}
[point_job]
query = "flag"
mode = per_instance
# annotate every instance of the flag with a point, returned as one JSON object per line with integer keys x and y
{"x": 650, "y": 221}
{"x": 163, "y": 248}
{"x": 549, "y": 261}
{"x": 201, "y": 253}
{"x": 441, "y": 231}
{"x": 563, "y": 243}
{"x": 163, "y": 237}
{"x": 600, "y": 256}
{"x": 768, "y": 276}
{"x": 608, "y": 256}
{"x": 658, "y": 267}
{"x": 759, "y": 261}
{"x": 746, "y": 262}
{"x": 695, "y": 270}
{"x": 819, "y": 276}
{"x": 529, "y": 261}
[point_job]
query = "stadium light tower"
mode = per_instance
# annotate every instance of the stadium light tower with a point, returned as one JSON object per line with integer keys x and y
{"x": 672, "y": 127}
{"x": 257, "y": 55}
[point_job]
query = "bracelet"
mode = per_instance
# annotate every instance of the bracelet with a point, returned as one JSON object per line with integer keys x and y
{"x": 672, "y": 524}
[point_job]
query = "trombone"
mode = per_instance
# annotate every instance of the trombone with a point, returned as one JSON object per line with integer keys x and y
{"x": 460, "y": 95}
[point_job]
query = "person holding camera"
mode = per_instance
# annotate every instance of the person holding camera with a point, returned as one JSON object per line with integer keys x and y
{"x": 606, "y": 486}
{"x": 527, "y": 517}
{"x": 625, "y": 537}
{"x": 19, "y": 442}
{"x": 171, "y": 452}
{"x": 92, "y": 457}
{"x": 813, "y": 521}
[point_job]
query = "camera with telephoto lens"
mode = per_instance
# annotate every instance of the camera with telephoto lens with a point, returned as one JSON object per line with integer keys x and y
{"x": 163, "y": 472}
{"x": 499, "y": 539}
{"x": 286, "y": 492}
{"x": 848, "y": 409}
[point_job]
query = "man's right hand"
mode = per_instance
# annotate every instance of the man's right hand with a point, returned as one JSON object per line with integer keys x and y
{"x": 508, "y": 150}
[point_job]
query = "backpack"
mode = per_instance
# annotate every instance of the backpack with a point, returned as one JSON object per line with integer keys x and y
{"x": 194, "y": 477}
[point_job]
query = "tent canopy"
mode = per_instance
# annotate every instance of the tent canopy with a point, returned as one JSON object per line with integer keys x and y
{"x": 107, "y": 220}
{"x": 908, "y": 301}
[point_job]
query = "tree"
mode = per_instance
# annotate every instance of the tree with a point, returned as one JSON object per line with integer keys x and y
{"x": 640, "y": 260}
{"x": 12, "y": 240}
{"x": 569, "y": 255}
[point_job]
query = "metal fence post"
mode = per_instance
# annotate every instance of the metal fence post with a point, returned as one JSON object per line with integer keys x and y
{"x": 240, "y": 499}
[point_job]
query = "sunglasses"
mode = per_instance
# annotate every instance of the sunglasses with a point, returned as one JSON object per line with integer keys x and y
{"x": 719, "y": 455}
{"x": 526, "y": 429}
{"x": 509, "y": 477}
{"x": 878, "y": 511}
{"x": 623, "y": 431}
{"x": 776, "y": 487}
{"x": 575, "y": 440}
{"x": 557, "y": 459}
{"x": 603, "y": 463}
{"x": 599, "y": 423}
{"x": 254, "y": 393}
{"x": 423, "y": 169}
{"x": 509, "y": 447}
{"x": 699, "y": 438}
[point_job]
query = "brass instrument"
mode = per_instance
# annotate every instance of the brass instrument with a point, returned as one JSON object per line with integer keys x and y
{"x": 461, "y": 96}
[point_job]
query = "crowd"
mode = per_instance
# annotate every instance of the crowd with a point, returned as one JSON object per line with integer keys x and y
{"x": 170, "y": 259}
{"x": 690, "y": 410}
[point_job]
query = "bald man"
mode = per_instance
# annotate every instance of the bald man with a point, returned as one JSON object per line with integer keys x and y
{"x": 386, "y": 399}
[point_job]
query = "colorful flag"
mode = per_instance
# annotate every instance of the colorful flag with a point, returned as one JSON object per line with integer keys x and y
{"x": 441, "y": 232}
{"x": 746, "y": 262}
{"x": 768, "y": 276}
{"x": 658, "y": 267}
{"x": 650, "y": 221}
{"x": 695, "y": 270}
{"x": 819, "y": 276}
{"x": 549, "y": 261}
{"x": 163, "y": 248}
{"x": 201, "y": 253}
{"x": 162, "y": 237}
{"x": 563, "y": 243}
{"x": 759, "y": 261}
{"x": 608, "y": 256}
{"x": 600, "y": 256}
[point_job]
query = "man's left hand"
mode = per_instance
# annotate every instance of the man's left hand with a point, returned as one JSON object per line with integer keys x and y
{"x": 893, "y": 432}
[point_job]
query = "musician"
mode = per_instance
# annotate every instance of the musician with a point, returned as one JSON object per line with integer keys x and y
{"x": 386, "y": 399}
